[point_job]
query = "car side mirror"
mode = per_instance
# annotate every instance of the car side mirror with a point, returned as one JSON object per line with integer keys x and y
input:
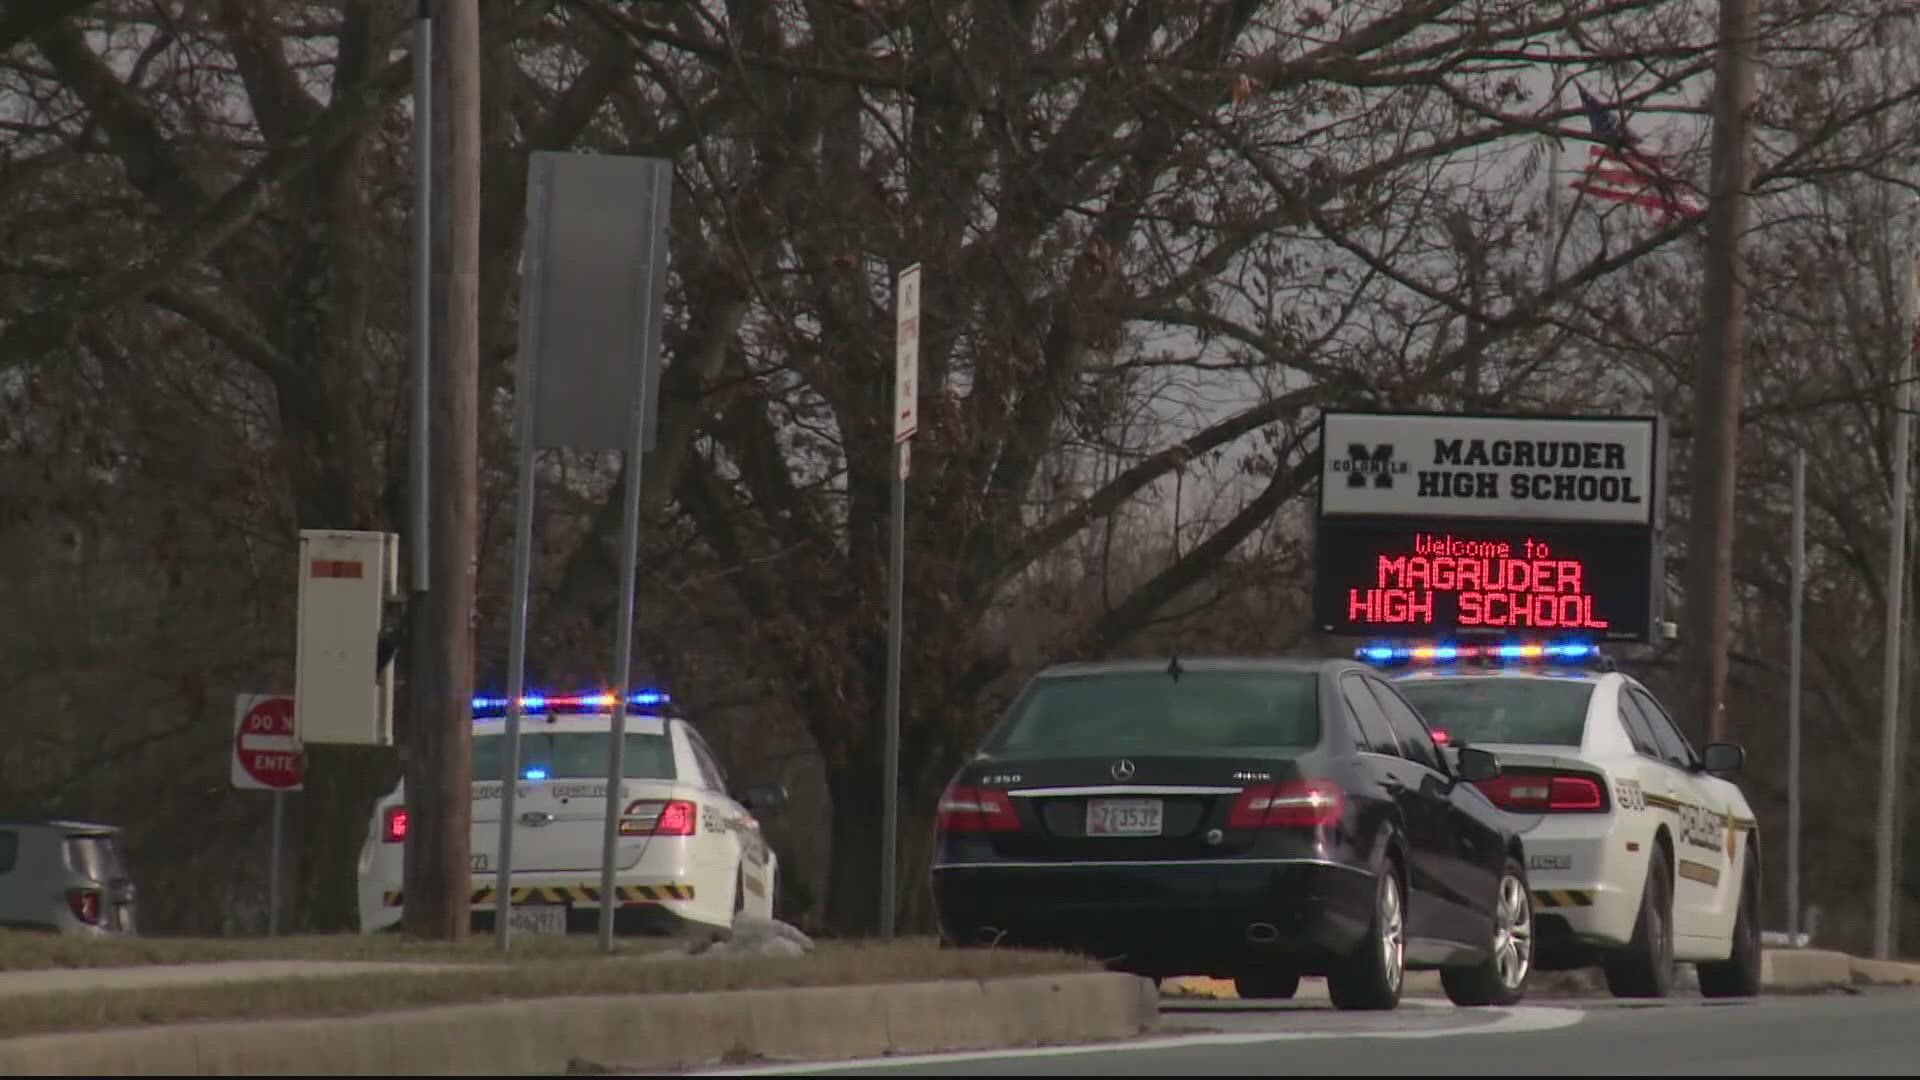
{"x": 1474, "y": 765}
{"x": 1723, "y": 757}
{"x": 763, "y": 797}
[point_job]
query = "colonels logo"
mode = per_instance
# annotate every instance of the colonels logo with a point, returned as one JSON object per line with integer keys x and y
{"x": 1377, "y": 462}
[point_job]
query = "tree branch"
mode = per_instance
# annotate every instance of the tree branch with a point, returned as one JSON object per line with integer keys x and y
{"x": 34, "y": 335}
{"x": 1132, "y": 614}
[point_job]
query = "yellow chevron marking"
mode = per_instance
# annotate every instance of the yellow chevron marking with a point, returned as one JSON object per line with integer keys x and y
{"x": 569, "y": 894}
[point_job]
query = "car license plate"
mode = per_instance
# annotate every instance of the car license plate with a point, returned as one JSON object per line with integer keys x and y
{"x": 538, "y": 919}
{"x": 1123, "y": 817}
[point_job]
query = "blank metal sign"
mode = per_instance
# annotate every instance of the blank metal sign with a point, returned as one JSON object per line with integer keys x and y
{"x": 597, "y": 268}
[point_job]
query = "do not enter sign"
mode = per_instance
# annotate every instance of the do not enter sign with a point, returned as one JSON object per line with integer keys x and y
{"x": 266, "y": 753}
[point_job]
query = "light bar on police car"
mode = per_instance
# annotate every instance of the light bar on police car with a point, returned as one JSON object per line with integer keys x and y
{"x": 538, "y": 704}
{"x": 1565, "y": 652}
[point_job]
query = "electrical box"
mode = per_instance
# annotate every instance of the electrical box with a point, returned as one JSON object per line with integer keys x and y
{"x": 342, "y": 694}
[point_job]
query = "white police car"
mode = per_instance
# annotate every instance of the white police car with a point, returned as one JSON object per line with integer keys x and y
{"x": 690, "y": 855}
{"x": 1639, "y": 853}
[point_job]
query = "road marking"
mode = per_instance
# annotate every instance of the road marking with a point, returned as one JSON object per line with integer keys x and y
{"x": 1518, "y": 1020}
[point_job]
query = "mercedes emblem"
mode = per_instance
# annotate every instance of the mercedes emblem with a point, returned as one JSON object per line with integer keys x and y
{"x": 1122, "y": 769}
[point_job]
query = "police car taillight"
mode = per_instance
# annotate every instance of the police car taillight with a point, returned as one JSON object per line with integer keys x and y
{"x": 394, "y": 828}
{"x": 657, "y": 817}
{"x": 964, "y": 808}
{"x": 1524, "y": 792}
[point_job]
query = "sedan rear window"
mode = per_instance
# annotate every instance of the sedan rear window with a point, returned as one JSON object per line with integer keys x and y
{"x": 1542, "y": 712}
{"x": 1151, "y": 712}
{"x": 575, "y": 755}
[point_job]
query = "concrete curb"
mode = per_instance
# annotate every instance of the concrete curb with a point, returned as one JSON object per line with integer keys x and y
{"x": 1885, "y": 972}
{"x": 1781, "y": 971}
{"x": 548, "y": 1036}
{"x": 1804, "y": 969}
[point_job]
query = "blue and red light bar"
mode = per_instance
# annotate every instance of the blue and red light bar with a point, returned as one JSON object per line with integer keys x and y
{"x": 1565, "y": 652}
{"x": 485, "y": 708}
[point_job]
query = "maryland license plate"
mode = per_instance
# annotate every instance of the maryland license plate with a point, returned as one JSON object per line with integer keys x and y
{"x": 1124, "y": 817}
{"x": 538, "y": 919}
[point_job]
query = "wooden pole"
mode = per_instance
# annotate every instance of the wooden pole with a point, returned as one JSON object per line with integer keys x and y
{"x": 439, "y": 767}
{"x": 1716, "y": 387}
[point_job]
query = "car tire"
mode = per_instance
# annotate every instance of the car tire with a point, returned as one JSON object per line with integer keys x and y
{"x": 1644, "y": 968}
{"x": 1739, "y": 974}
{"x": 1372, "y": 975}
{"x": 1266, "y": 985}
{"x": 1501, "y": 978}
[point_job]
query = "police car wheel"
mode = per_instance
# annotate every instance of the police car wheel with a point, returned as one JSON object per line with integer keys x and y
{"x": 1739, "y": 974}
{"x": 1644, "y": 968}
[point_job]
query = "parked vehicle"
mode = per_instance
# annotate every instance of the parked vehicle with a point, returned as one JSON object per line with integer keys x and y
{"x": 1641, "y": 851}
{"x": 1259, "y": 819}
{"x": 64, "y": 876}
{"x": 691, "y": 854}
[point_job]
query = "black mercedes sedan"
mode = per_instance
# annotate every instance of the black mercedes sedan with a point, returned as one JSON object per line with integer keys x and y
{"x": 1258, "y": 819}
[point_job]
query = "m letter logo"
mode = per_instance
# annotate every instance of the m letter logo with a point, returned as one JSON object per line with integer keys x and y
{"x": 1378, "y": 464}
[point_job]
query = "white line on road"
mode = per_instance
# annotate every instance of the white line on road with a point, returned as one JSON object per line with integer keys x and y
{"x": 1518, "y": 1020}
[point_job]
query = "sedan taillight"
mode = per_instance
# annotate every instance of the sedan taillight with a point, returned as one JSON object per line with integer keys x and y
{"x": 1296, "y": 804}
{"x": 964, "y": 808}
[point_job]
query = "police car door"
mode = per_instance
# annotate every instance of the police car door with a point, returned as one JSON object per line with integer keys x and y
{"x": 721, "y": 818}
{"x": 1700, "y": 827}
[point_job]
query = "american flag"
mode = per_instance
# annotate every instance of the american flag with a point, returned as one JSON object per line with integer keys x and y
{"x": 1619, "y": 171}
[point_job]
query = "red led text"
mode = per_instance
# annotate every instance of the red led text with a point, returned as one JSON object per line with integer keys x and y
{"x": 1493, "y": 584}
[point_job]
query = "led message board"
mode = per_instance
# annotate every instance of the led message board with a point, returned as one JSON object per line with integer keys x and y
{"x": 1432, "y": 578}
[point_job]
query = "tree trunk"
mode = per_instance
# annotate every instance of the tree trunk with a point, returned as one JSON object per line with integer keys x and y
{"x": 325, "y": 834}
{"x": 440, "y": 762}
{"x": 916, "y": 860}
{"x": 853, "y": 874}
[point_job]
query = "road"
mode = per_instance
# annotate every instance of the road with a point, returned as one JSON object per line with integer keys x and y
{"x": 1876, "y": 1032}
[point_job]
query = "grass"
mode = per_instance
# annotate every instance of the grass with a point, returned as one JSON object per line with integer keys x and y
{"x": 26, "y": 951}
{"x": 552, "y": 969}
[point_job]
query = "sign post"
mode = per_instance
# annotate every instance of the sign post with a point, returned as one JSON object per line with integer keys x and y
{"x": 1794, "y": 619}
{"x": 653, "y": 262}
{"x": 592, "y": 297}
{"x": 267, "y": 757}
{"x": 906, "y": 422}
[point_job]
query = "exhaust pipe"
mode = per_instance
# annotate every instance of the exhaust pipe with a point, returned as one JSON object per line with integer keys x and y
{"x": 1261, "y": 933}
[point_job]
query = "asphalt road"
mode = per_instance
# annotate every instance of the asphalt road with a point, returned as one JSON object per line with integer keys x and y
{"x": 1870, "y": 1033}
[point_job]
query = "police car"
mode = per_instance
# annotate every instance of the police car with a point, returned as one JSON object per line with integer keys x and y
{"x": 1639, "y": 852}
{"x": 690, "y": 855}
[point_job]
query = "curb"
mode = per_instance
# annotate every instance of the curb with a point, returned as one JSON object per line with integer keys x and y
{"x": 1781, "y": 971}
{"x": 1885, "y": 972}
{"x": 550, "y": 1036}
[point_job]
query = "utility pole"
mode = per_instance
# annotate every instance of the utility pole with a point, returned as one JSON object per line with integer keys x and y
{"x": 1893, "y": 757}
{"x": 1716, "y": 383}
{"x": 439, "y": 764}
